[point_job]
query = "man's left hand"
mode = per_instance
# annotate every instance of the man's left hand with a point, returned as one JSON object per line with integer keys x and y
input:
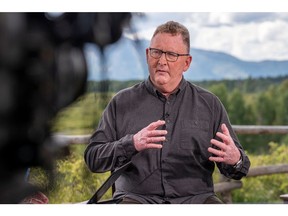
{"x": 228, "y": 152}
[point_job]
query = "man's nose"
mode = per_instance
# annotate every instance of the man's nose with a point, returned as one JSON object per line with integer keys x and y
{"x": 162, "y": 59}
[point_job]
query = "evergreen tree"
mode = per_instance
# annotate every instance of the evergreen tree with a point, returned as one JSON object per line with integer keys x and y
{"x": 236, "y": 108}
{"x": 220, "y": 90}
{"x": 281, "y": 106}
{"x": 265, "y": 106}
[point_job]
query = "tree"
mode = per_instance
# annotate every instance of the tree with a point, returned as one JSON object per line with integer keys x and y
{"x": 236, "y": 108}
{"x": 220, "y": 90}
{"x": 281, "y": 105}
{"x": 265, "y": 107}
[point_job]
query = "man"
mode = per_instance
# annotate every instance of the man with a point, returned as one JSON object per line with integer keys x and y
{"x": 173, "y": 131}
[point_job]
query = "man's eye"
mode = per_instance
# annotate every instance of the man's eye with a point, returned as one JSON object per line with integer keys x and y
{"x": 157, "y": 52}
{"x": 172, "y": 54}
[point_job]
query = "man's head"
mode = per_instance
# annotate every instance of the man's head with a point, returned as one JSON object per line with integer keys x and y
{"x": 168, "y": 56}
{"x": 175, "y": 28}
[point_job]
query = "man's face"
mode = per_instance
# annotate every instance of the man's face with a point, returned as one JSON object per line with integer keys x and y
{"x": 166, "y": 75}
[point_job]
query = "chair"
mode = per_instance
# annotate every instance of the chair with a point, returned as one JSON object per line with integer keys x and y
{"x": 106, "y": 185}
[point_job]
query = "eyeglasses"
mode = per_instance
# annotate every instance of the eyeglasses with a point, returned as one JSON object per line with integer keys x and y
{"x": 170, "y": 56}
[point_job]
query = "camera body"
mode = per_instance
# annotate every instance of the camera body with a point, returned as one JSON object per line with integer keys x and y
{"x": 42, "y": 70}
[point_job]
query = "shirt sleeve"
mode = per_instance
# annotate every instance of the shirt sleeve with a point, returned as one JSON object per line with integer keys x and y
{"x": 105, "y": 152}
{"x": 229, "y": 171}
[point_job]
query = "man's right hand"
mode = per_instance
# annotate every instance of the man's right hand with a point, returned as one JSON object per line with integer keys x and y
{"x": 150, "y": 137}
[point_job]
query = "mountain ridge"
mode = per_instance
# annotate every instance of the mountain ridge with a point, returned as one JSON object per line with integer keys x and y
{"x": 126, "y": 60}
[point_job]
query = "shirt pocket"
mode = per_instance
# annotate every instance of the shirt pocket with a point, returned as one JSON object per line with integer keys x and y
{"x": 194, "y": 133}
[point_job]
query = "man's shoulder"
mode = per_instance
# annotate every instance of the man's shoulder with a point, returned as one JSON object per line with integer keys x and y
{"x": 200, "y": 90}
{"x": 131, "y": 90}
{"x": 203, "y": 93}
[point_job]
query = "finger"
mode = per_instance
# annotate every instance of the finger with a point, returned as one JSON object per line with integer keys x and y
{"x": 216, "y": 159}
{"x": 155, "y": 139}
{"x": 157, "y": 133}
{"x": 217, "y": 152}
{"x": 155, "y": 125}
{"x": 225, "y": 129}
{"x": 218, "y": 144}
{"x": 212, "y": 151}
{"x": 154, "y": 145}
{"x": 223, "y": 137}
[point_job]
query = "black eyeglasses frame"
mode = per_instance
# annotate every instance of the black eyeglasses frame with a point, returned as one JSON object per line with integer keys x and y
{"x": 172, "y": 53}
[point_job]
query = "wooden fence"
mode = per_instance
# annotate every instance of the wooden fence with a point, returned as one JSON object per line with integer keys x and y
{"x": 225, "y": 186}
{"x": 239, "y": 129}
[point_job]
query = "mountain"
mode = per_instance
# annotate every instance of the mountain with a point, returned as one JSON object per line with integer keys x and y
{"x": 125, "y": 60}
{"x": 209, "y": 65}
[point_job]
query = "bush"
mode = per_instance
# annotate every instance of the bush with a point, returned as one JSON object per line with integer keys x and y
{"x": 73, "y": 182}
{"x": 268, "y": 188}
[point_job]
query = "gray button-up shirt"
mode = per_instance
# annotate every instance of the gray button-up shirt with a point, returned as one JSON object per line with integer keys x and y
{"x": 179, "y": 171}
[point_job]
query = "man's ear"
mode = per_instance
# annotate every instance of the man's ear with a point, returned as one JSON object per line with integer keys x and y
{"x": 147, "y": 53}
{"x": 187, "y": 63}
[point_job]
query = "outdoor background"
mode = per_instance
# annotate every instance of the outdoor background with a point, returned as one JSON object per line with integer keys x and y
{"x": 240, "y": 57}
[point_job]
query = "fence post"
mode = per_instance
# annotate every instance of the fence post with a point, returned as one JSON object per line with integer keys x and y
{"x": 284, "y": 197}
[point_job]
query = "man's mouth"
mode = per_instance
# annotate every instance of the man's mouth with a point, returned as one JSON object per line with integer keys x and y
{"x": 161, "y": 71}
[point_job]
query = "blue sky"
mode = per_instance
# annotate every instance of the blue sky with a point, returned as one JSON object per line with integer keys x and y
{"x": 251, "y": 36}
{"x": 248, "y": 29}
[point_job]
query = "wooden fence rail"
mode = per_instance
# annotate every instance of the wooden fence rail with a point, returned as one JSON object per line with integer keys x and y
{"x": 253, "y": 172}
{"x": 226, "y": 186}
{"x": 260, "y": 129}
{"x": 63, "y": 139}
{"x": 268, "y": 170}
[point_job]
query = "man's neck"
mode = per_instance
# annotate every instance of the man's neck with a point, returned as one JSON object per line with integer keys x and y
{"x": 168, "y": 93}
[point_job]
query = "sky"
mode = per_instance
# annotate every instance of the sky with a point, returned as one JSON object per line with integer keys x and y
{"x": 251, "y": 30}
{"x": 248, "y": 29}
{"x": 251, "y": 36}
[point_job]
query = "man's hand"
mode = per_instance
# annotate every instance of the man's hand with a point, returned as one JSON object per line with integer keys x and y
{"x": 149, "y": 137}
{"x": 228, "y": 152}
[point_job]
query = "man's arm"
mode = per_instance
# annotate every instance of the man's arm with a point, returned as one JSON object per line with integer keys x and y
{"x": 230, "y": 158}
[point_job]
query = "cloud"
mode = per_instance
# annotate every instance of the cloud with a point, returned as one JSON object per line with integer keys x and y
{"x": 248, "y": 36}
{"x": 215, "y": 19}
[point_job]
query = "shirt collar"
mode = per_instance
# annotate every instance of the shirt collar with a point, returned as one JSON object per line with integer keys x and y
{"x": 154, "y": 91}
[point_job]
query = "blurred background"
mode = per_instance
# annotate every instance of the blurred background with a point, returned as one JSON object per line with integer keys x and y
{"x": 242, "y": 57}
{"x": 231, "y": 57}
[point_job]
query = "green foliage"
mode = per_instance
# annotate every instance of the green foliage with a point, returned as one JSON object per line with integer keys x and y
{"x": 281, "y": 104}
{"x": 83, "y": 115}
{"x": 72, "y": 182}
{"x": 236, "y": 108}
{"x": 267, "y": 188}
{"x": 246, "y": 85}
{"x": 111, "y": 86}
{"x": 267, "y": 107}
{"x": 254, "y": 102}
{"x": 220, "y": 90}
